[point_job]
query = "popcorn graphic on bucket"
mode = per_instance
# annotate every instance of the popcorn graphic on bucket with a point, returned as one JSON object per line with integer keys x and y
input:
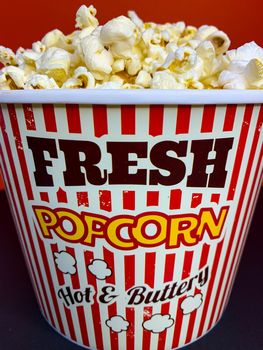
{"x": 132, "y": 217}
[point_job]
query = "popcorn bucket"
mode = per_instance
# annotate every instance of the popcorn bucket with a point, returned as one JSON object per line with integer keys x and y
{"x": 132, "y": 207}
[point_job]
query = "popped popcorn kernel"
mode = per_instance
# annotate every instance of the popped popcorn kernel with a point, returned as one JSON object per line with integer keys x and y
{"x": 7, "y": 57}
{"x": 128, "y": 53}
{"x": 40, "y": 82}
{"x": 86, "y": 17}
{"x": 55, "y": 63}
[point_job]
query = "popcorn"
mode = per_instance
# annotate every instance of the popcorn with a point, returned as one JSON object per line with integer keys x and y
{"x": 13, "y": 77}
{"x": 128, "y": 53}
{"x": 144, "y": 79}
{"x": 40, "y": 81}
{"x": 96, "y": 57}
{"x": 55, "y": 63}
{"x": 245, "y": 70}
{"x": 165, "y": 80}
{"x": 86, "y": 17}
{"x": 120, "y": 35}
{"x": 7, "y": 57}
{"x": 220, "y": 41}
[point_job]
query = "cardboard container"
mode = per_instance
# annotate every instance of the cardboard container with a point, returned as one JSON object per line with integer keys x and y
{"x": 132, "y": 207}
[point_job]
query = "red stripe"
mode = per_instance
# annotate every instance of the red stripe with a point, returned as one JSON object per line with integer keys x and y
{"x": 49, "y": 118}
{"x": 95, "y": 309}
{"x": 149, "y": 272}
{"x": 112, "y": 309}
{"x": 73, "y": 118}
{"x": 191, "y": 323}
{"x": 149, "y": 269}
{"x": 188, "y": 258}
{"x": 50, "y": 282}
{"x": 20, "y": 151}
{"x": 100, "y": 120}
{"x": 156, "y": 120}
{"x": 83, "y": 325}
{"x": 70, "y": 323}
{"x": 241, "y": 201}
{"x": 128, "y": 120}
{"x": 152, "y": 198}
{"x": 44, "y": 196}
{"x": 229, "y": 117}
{"x": 129, "y": 265}
{"x": 60, "y": 276}
{"x": 75, "y": 276}
{"x": 80, "y": 309}
{"x": 128, "y": 200}
{"x": 29, "y": 117}
{"x": 83, "y": 199}
{"x": 175, "y": 199}
{"x": 241, "y": 147}
{"x": 165, "y": 308}
{"x": 183, "y": 119}
{"x": 196, "y": 200}
{"x": 18, "y": 199}
{"x": 215, "y": 198}
{"x": 62, "y": 196}
{"x": 208, "y": 118}
{"x": 105, "y": 200}
{"x": 20, "y": 227}
{"x": 210, "y": 288}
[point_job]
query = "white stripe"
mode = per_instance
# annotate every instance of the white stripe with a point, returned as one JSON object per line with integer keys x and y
{"x": 139, "y": 310}
{"x": 196, "y": 118}
{"x": 104, "y": 315}
{"x": 158, "y": 285}
{"x": 174, "y": 305}
{"x": 86, "y": 120}
{"x": 193, "y": 272}
{"x": 169, "y": 121}
{"x": 119, "y": 273}
{"x": 82, "y": 273}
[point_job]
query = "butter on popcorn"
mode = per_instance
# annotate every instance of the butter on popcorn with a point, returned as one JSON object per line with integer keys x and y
{"x": 128, "y": 53}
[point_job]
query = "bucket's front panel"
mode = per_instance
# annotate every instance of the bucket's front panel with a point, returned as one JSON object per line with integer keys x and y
{"x": 132, "y": 219}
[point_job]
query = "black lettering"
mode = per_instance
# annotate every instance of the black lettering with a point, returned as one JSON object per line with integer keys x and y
{"x": 120, "y": 162}
{"x": 201, "y": 149}
{"x": 74, "y": 176}
{"x": 66, "y": 296}
{"x": 136, "y": 295}
{"x": 162, "y": 160}
{"x": 38, "y": 146}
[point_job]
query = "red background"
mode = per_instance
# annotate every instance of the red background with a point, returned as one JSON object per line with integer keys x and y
{"x": 23, "y": 22}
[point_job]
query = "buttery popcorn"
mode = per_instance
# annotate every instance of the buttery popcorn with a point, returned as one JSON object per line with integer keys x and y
{"x": 127, "y": 53}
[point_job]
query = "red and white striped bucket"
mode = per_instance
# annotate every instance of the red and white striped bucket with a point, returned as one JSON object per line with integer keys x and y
{"x": 132, "y": 217}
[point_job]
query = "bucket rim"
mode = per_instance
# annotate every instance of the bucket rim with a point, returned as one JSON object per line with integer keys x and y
{"x": 132, "y": 97}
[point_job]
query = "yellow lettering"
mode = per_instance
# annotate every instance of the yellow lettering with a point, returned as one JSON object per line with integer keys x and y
{"x": 209, "y": 222}
{"x": 139, "y": 232}
{"x": 113, "y": 232}
{"x": 78, "y": 228}
{"x": 47, "y": 220}
{"x": 95, "y": 226}
{"x": 181, "y": 228}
